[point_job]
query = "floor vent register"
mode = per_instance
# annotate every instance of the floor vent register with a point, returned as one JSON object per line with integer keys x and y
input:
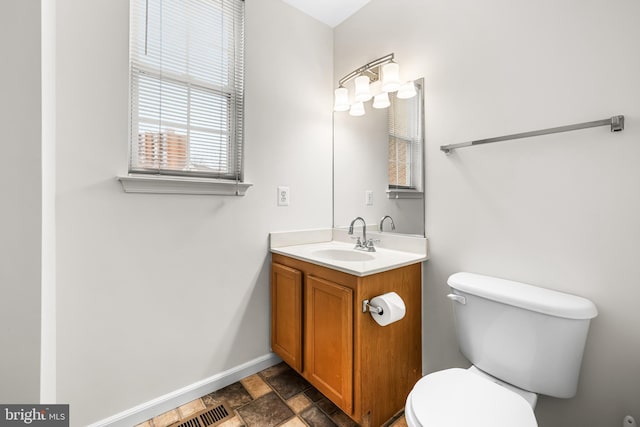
{"x": 207, "y": 418}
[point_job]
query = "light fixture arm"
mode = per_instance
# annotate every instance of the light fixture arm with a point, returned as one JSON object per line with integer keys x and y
{"x": 370, "y": 69}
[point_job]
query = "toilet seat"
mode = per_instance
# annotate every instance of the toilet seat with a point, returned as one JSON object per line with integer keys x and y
{"x": 456, "y": 398}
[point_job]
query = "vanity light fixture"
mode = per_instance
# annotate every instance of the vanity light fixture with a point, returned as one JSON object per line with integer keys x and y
{"x": 381, "y": 100}
{"x": 341, "y": 99}
{"x": 372, "y": 80}
{"x": 391, "y": 77}
{"x": 406, "y": 91}
{"x": 363, "y": 92}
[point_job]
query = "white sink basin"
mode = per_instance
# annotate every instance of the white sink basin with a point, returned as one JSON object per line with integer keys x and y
{"x": 343, "y": 255}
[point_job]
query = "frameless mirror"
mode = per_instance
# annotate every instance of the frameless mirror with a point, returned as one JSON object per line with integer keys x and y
{"x": 378, "y": 165}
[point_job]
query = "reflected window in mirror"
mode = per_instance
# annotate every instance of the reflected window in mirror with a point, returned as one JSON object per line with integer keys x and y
{"x": 405, "y": 142}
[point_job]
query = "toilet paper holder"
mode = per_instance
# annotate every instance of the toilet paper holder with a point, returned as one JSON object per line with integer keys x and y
{"x": 372, "y": 308}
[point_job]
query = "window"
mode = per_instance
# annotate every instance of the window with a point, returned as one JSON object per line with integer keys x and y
{"x": 186, "y": 82}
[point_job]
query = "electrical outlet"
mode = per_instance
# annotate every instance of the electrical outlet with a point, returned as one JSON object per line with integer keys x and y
{"x": 283, "y": 196}
{"x": 368, "y": 198}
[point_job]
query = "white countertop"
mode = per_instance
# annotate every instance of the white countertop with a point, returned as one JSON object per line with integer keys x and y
{"x": 325, "y": 249}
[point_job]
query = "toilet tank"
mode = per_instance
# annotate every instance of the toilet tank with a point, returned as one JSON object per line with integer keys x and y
{"x": 525, "y": 335}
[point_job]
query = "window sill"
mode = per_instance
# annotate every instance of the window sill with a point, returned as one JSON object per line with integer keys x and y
{"x": 404, "y": 194}
{"x": 178, "y": 185}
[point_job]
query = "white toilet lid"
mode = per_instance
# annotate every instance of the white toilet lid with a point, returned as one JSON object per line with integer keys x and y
{"x": 456, "y": 397}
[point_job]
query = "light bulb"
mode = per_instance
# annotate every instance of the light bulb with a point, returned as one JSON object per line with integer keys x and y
{"x": 390, "y": 77}
{"x": 407, "y": 90}
{"x": 341, "y": 99}
{"x": 357, "y": 109}
{"x": 381, "y": 100}
{"x": 363, "y": 92}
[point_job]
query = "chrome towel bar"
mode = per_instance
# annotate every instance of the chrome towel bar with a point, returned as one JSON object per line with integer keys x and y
{"x": 616, "y": 123}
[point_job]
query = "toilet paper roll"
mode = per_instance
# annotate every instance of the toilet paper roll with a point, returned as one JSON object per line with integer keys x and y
{"x": 393, "y": 308}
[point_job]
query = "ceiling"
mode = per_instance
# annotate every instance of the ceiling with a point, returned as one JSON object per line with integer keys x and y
{"x": 331, "y": 12}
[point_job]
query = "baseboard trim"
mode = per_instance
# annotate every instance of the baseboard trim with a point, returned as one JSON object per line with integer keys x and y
{"x": 157, "y": 406}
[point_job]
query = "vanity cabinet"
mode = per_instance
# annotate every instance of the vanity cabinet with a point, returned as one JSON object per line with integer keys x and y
{"x": 319, "y": 329}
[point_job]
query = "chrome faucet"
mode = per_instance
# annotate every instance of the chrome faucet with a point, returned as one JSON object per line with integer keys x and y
{"x": 393, "y": 226}
{"x": 364, "y": 228}
{"x": 364, "y": 244}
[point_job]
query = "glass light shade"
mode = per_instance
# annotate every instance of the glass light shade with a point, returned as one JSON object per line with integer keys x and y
{"x": 375, "y": 88}
{"x": 407, "y": 90}
{"x": 363, "y": 92}
{"x": 341, "y": 99}
{"x": 357, "y": 109}
{"x": 390, "y": 77}
{"x": 381, "y": 100}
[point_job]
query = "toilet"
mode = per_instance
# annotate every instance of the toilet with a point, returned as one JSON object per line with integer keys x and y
{"x": 522, "y": 340}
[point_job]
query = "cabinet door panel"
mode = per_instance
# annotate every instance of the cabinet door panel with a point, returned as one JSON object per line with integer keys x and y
{"x": 329, "y": 340}
{"x": 286, "y": 314}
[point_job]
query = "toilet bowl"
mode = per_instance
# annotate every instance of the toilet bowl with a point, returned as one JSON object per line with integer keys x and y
{"x": 467, "y": 397}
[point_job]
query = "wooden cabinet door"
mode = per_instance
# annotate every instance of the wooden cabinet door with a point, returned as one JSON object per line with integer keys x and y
{"x": 328, "y": 349}
{"x": 286, "y": 314}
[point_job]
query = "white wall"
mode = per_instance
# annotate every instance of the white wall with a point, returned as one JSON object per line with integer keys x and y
{"x": 558, "y": 211}
{"x": 156, "y": 292}
{"x": 20, "y": 213}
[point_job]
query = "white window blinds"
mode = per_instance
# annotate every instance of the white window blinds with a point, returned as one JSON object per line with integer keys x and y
{"x": 187, "y": 71}
{"x": 405, "y": 143}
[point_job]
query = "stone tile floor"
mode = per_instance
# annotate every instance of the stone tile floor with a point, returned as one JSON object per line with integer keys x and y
{"x": 277, "y": 396}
